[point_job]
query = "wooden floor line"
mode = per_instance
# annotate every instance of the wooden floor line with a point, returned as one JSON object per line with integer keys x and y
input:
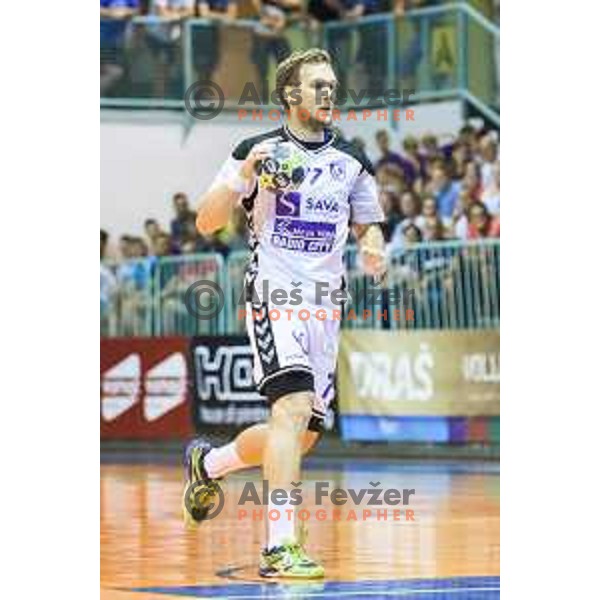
{"x": 396, "y": 593}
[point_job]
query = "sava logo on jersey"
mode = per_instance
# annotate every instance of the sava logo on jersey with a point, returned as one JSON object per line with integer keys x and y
{"x": 291, "y": 204}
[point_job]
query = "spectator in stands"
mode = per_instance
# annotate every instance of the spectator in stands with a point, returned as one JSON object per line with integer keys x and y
{"x": 134, "y": 276}
{"x": 103, "y": 243}
{"x": 412, "y": 155}
{"x": 108, "y": 289}
{"x": 139, "y": 247}
{"x": 433, "y": 229}
{"x": 162, "y": 245}
{"x": 339, "y": 39}
{"x": 488, "y": 150}
{"x": 392, "y": 160}
{"x": 444, "y": 189}
{"x": 481, "y": 223}
{"x": 410, "y": 209}
{"x": 359, "y": 143}
{"x": 114, "y": 18}
{"x": 429, "y": 211}
{"x": 206, "y": 38}
{"x": 390, "y": 202}
{"x": 467, "y": 136}
{"x": 410, "y": 53}
{"x": 471, "y": 182}
{"x": 373, "y": 47}
{"x": 430, "y": 148}
{"x": 491, "y": 195}
{"x": 460, "y": 159}
{"x": 411, "y": 234}
{"x": 269, "y": 39}
{"x": 152, "y": 230}
{"x": 164, "y": 41}
{"x": 184, "y": 221}
{"x": 460, "y": 221}
{"x": 125, "y": 247}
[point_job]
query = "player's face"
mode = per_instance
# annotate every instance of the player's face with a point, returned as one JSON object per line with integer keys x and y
{"x": 317, "y": 86}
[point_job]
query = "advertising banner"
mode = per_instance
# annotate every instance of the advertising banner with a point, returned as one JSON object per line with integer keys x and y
{"x": 224, "y": 393}
{"x": 144, "y": 389}
{"x": 419, "y": 373}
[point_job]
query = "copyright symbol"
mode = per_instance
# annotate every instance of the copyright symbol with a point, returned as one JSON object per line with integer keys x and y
{"x": 204, "y": 299}
{"x": 197, "y": 500}
{"x": 204, "y": 100}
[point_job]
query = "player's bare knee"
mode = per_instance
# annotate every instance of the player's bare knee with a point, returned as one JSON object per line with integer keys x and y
{"x": 292, "y": 411}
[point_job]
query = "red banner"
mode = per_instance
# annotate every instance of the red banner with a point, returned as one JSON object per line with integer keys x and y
{"x": 144, "y": 391}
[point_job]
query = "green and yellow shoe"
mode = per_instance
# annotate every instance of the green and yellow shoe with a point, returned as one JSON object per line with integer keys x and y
{"x": 289, "y": 561}
{"x": 200, "y": 489}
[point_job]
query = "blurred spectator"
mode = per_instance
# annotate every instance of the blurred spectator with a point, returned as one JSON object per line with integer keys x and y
{"x": 460, "y": 220}
{"x": 410, "y": 209}
{"x": 125, "y": 247}
{"x": 175, "y": 278}
{"x": 373, "y": 48}
{"x": 429, "y": 211}
{"x": 339, "y": 39}
{"x": 152, "y": 230}
{"x": 433, "y": 229}
{"x": 481, "y": 223}
{"x": 393, "y": 161}
{"x": 411, "y": 234}
{"x": 390, "y": 204}
{"x": 460, "y": 159}
{"x": 114, "y": 18}
{"x": 162, "y": 245}
{"x": 359, "y": 143}
{"x": 164, "y": 41}
{"x": 392, "y": 180}
{"x": 411, "y": 53}
{"x": 184, "y": 221}
{"x": 108, "y": 290}
{"x": 444, "y": 189}
{"x": 412, "y": 155}
{"x": 205, "y": 38}
{"x": 103, "y": 243}
{"x": 431, "y": 150}
{"x": 139, "y": 247}
{"x": 467, "y": 136}
{"x": 491, "y": 195}
{"x": 471, "y": 182}
{"x": 269, "y": 40}
{"x": 134, "y": 276}
{"x": 488, "y": 149}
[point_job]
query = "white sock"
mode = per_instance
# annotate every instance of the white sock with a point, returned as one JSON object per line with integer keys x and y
{"x": 283, "y": 529}
{"x": 221, "y": 461}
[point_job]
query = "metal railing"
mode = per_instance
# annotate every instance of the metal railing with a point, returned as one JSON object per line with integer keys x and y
{"x": 448, "y": 51}
{"x": 434, "y": 285}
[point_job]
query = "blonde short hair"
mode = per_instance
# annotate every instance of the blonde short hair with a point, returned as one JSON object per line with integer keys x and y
{"x": 287, "y": 70}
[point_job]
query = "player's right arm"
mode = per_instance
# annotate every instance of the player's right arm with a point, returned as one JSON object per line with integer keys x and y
{"x": 234, "y": 181}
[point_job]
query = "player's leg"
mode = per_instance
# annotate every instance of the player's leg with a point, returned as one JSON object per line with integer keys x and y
{"x": 204, "y": 465}
{"x": 284, "y": 555}
{"x": 247, "y": 451}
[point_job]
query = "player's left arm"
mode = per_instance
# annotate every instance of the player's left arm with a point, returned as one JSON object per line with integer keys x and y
{"x": 371, "y": 246}
{"x": 366, "y": 217}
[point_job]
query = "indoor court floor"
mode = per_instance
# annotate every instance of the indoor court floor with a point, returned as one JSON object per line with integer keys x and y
{"x": 450, "y": 550}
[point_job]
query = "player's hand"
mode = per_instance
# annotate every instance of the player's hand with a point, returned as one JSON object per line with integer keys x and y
{"x": 373, "y": 263}
{"x": 258, "y": 153}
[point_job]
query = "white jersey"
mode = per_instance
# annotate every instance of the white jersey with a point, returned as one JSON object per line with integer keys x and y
{"x": 302, "y": 202}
